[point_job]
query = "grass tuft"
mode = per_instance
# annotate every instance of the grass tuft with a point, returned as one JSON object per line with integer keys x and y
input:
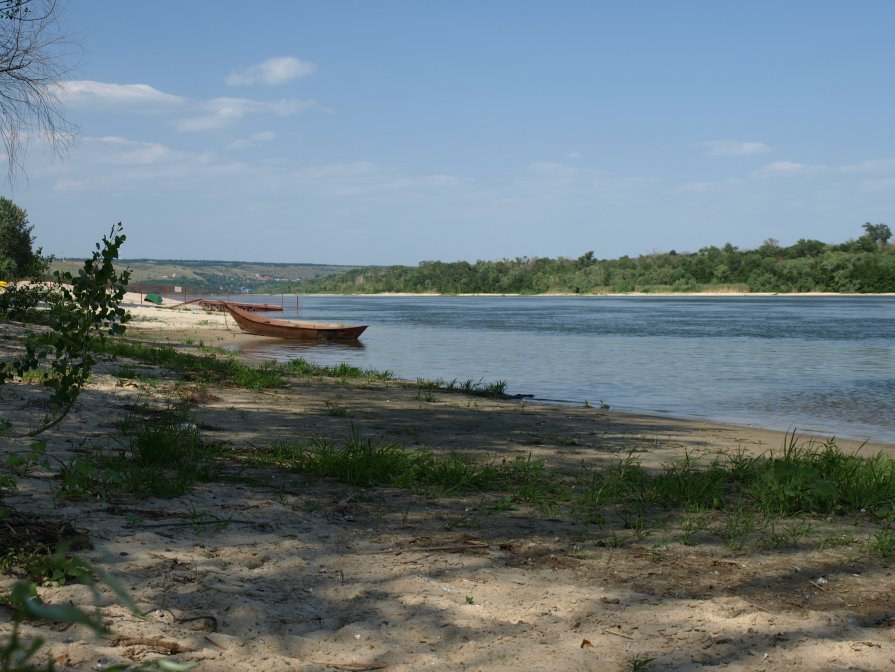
{"x": 470, "y": 387}
{"x": 161, "y": 457}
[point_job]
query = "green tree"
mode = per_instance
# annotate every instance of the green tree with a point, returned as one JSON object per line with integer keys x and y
{"x": 878, "y": 233}
{"x": 806, "y": 248}
{"x": 18, "y": 258}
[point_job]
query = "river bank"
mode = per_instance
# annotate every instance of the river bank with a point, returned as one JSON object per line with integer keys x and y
{"x": 264, "y": 568}
{"x": 173, "y": 325}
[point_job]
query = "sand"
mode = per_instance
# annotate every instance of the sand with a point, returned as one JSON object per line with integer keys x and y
{"x": 270, "y": 570}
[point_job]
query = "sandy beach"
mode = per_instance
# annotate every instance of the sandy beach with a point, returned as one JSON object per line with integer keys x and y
{"x": 267, "y": 569}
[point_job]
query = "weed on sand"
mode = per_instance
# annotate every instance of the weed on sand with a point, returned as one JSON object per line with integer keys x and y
{"x": 764, "y": 502}
{"x": 162, "y": 456}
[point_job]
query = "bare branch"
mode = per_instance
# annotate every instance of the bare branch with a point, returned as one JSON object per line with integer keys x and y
{"x": 33, "y": 65}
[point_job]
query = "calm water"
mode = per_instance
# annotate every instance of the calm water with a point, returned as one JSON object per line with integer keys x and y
{"x": 812, "y": 363}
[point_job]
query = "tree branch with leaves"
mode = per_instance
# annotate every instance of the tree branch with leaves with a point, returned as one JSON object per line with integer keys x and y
{"x": 82, "y": 309}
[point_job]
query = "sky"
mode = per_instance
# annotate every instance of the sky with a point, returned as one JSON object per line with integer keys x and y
{"x": 392, "y": 132}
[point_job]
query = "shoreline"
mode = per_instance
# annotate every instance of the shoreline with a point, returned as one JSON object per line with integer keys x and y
{"x": 606, "y": 295}
{"x": 180, "y": 327}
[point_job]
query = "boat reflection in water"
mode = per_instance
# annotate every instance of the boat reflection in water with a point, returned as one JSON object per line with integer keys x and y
{"x": 284, "y": 350}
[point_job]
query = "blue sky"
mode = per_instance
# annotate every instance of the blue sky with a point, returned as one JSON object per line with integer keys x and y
{"x": 394, "y": 132}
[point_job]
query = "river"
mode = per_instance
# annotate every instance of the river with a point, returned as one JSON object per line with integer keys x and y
{"x": 812, "y": 364}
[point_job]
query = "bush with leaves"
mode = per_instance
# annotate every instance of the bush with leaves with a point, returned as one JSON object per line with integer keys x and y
{"x": 80, "y": 310}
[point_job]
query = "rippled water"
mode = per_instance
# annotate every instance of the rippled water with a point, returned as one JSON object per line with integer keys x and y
{"x": 824, "y": 364}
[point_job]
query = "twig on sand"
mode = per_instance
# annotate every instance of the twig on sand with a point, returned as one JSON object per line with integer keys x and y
{"x": 158, "y": 645}
{"x": 469, "y": 545}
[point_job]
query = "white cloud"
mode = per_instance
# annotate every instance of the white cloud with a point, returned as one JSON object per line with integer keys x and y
{"x": 556, "y": 179}
{"x": 87, "y": 93}
{"x": 120, "y": 164}
{"x": 70, "y": 185}
{"x": 224, "y": 112}
{"x": 120, "y": 151}
{"x": 733, "y": 148}
{"x": 272, "y": 72}
{"x": 728, "y": 185}
{"x": 253, "y": 140}
{"x": 695, "y": 187}
{"x": 872, "y": 166}
{"x": 878, "y": 185}
{"x": 208, "y": 115}
{"x": 783, "y": 167}
{"x": 425, "y": 182}
{"x": 337, "y": 180}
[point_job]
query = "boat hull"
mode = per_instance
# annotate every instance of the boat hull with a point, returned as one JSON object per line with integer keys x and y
{"x": 266, "y": 326}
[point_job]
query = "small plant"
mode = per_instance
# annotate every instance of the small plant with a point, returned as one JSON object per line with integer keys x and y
{"x": 693, "y": 522}
{"x": 312, "y": 505}
{"x": 201, "y": 521}
{"x": 21, "y": 463}
{"x": 334, "y": 409}
{"x": 132, "y": 519}
{"x": 82, "y": 478}
{"x": 738, "y": 525}
{"x": 126, "y": 371}
{"x": 43, "y": 566}
{"x": 882, "y": 544}
{"x": 471, "y": 520}
{"x": 837, "y": 539}
{"x": 639, "y": 662}
{"x": 470, "y": 599}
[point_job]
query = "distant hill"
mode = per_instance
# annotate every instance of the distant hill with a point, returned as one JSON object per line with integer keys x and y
{"x": 196, "y": 276}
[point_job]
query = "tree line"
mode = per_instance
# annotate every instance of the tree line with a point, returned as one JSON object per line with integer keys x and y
{"x": 862, "y": 265}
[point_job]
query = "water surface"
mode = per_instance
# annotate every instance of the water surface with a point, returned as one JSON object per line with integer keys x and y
{"x": 820, "y": 364}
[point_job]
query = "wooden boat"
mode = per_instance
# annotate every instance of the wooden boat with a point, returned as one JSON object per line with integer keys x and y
{"x": 266, "y": 326}
{"x": 217, "y": 304}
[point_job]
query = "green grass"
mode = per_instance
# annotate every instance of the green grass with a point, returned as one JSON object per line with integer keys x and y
{"x": 471, "y": 387}
{"x": 882, "y": 543}
{"x": 163, "y": 456}
{"x": 224, "y": 369}
{"x": 818, "y": 478}
{"x": 805, "y": 478}
{"x": 303, "y": 367}
{"x": 766, "y": 502}
{"x": 362, "y": 462}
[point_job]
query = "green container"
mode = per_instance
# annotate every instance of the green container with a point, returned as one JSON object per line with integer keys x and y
{"x": 154, "y": 298}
